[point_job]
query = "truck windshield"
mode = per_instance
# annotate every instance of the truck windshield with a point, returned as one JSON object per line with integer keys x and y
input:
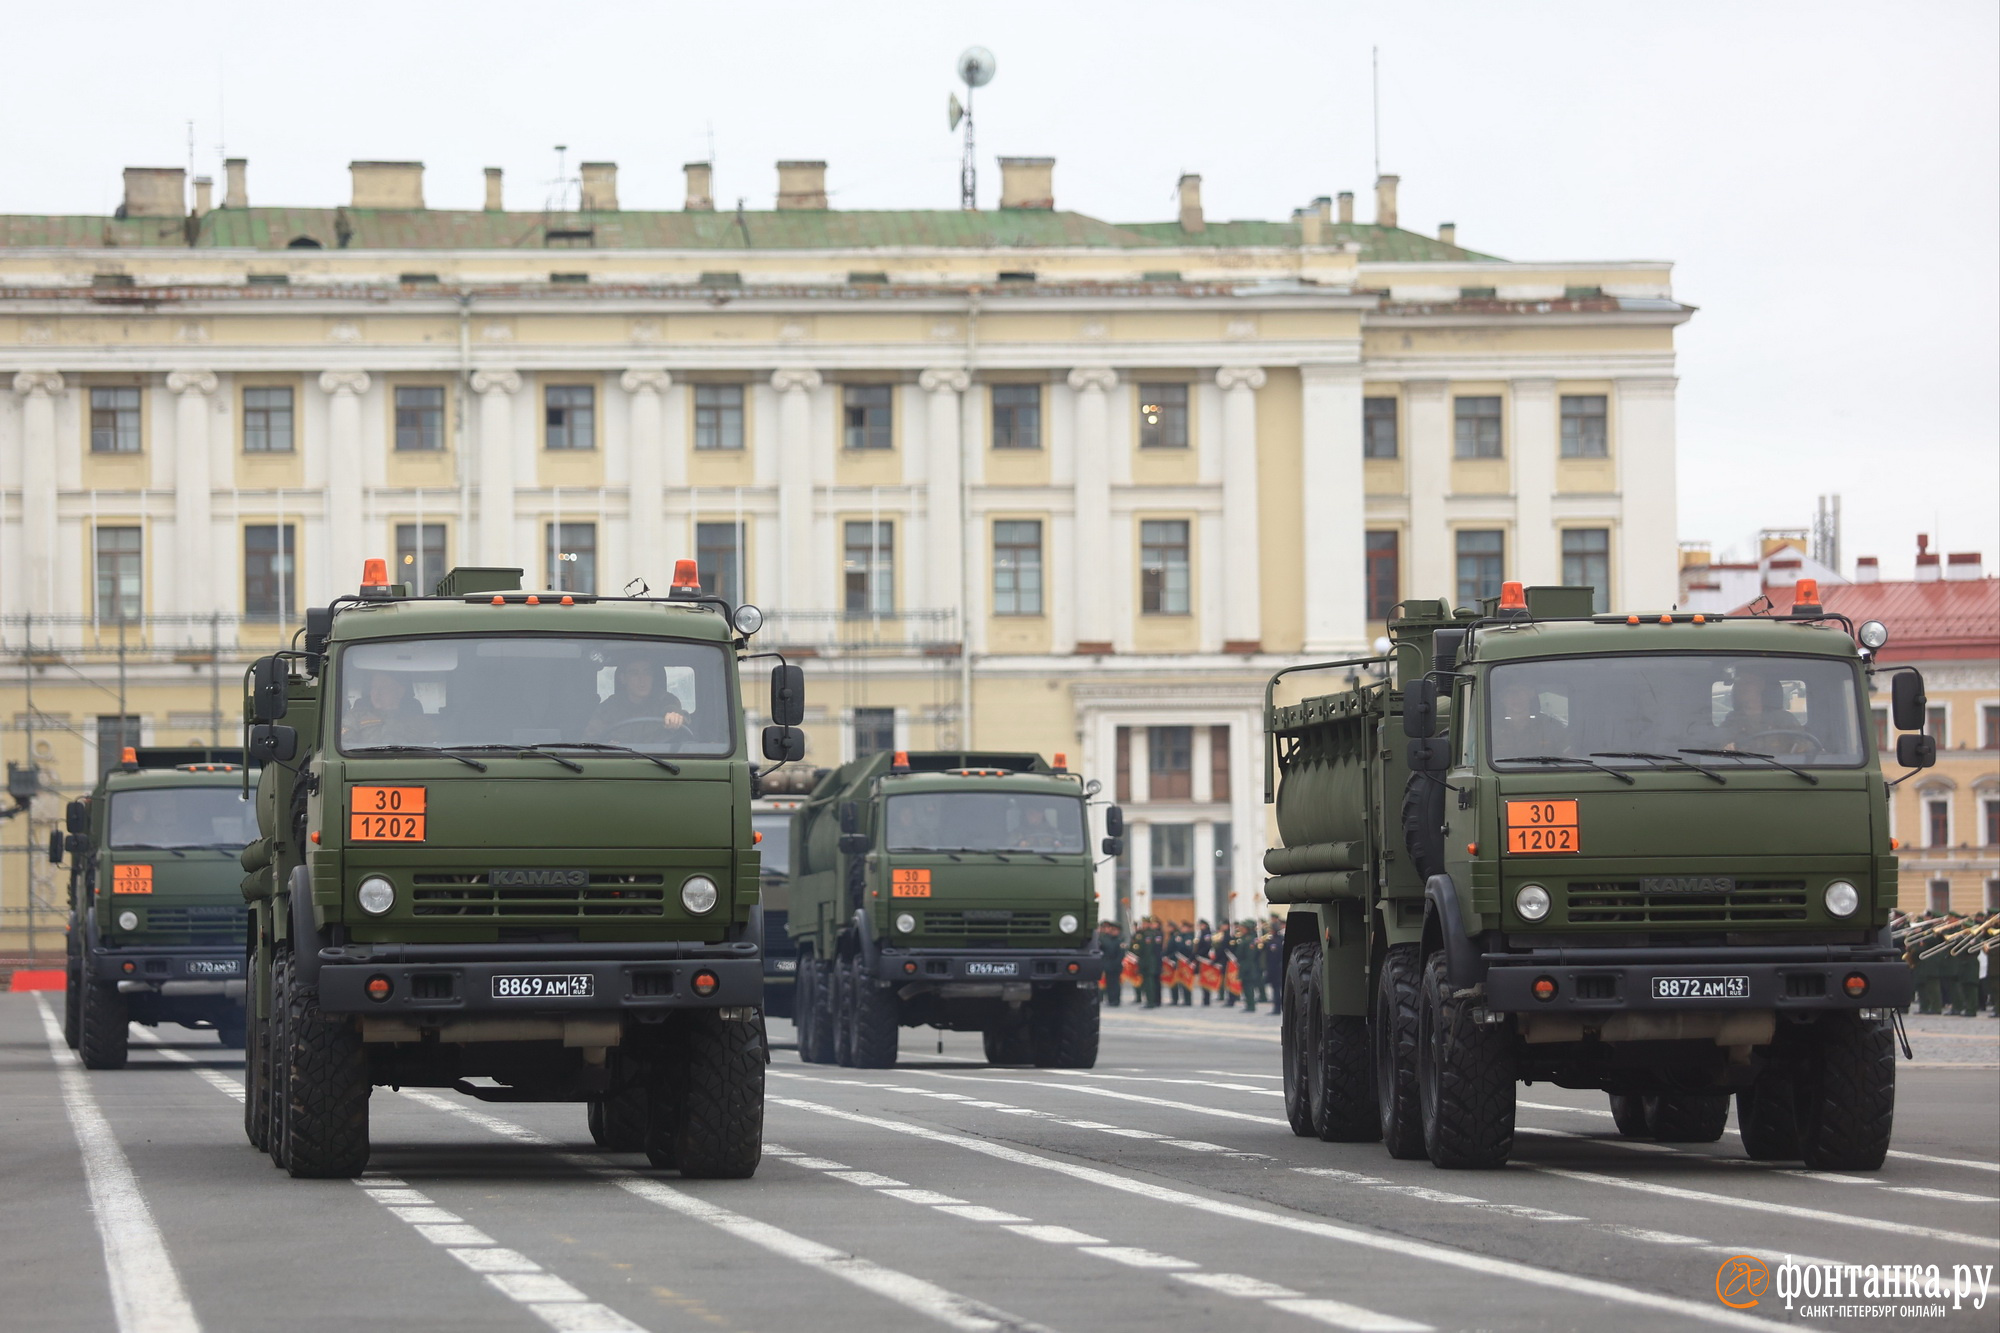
{"x": 1620, "y": 710}
{"x": 985, "y": 821}
{"x": 777, "y": 844}
{"x": 656, "y": 696}
{"x": 215, "y": 817}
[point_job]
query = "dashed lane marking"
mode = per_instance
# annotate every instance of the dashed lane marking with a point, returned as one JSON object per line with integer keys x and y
{"x": 146, "y": 1292}
{"x": 1218, "y": 1112}
{"x": 1893, "y": 1152}
{"x": 215, "y": 1078}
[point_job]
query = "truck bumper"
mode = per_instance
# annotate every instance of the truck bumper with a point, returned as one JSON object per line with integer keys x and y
{"x": 1598, "y": 981}
{"x": 542, "y": 987}
{"x": 975, "y": 965}
{"x": 159, "y": 966}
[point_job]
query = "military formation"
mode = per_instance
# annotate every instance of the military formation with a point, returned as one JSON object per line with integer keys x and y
{"x": 1951, "y": 957}
{"x": 1237, "y": 964}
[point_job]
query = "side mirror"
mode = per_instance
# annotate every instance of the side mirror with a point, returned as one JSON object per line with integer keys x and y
{"x": 1430, "y": 754}
{"x": 76, "y": 815}
{"x": 850, "y": 817}
{"x": 788, "y": 696}
{"x": 272, "y": 743}
{"x": 1114, "y": 846}
{"x": 1420, "y": 708}
{"x": 267, "y": 689}
{"x": 1114, "y": 821}
{"x": 784, "y": 744}
{"x": 1915, "y": 751}
{"x": 319, "y": 628}
{"x": 55, "y": 847}
{"x": 854, "y": 844}
{"x": 1907, "y": 701}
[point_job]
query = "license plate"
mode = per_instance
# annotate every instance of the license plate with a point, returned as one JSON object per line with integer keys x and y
{"x": 1701, "y": 988}
{"x": 225, "y": 967}
{"x": 544, "y": 986}
{"x": 993, "y": 969}
{"x": 784, "y": 964}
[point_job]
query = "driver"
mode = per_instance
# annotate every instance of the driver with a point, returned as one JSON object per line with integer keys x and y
{"x": 639, "y": 696}
{"x": 387, "y": 714}
{"x": 1756, "y": 711}
{"x": 1520, "y": 728}
{"x": 139, "y": 822}
{"x": 1038, "y": 830}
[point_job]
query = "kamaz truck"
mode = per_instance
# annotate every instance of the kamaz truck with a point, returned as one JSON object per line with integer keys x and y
{"x": 1647, "y": 854}
{"x": 951, "y": 890}
{"x": 505, "y": 848}
{"x": 156, "y": 926}
{"x": 776, "y": 800}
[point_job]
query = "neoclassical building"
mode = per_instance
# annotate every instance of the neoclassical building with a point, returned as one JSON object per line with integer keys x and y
{"x": 1009, "y": 477}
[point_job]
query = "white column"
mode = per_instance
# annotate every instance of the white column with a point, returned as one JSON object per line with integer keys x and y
{"x": 944, "y": 518}
{"x": 38, "y": 485}
{"x": 1139, "y": 848}
{"x": 648, "y": 389}
{"x": 795, "y": 386}
{"x": 496, "y": 469}
{"x": 1205, "y": 906}
{"x": 1428, "y": 557}
{"x": 343, "y": 475}
{"x": 1093, "y": 504}
{"x": 1335, "y": 510}
{"x": 194, "y": 537}
{"x": 1242, "y": 607}
{"x": 1643, "y": 552}
{"x": 1537, "y": 438}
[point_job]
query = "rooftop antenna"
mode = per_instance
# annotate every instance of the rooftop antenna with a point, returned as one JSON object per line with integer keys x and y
{"x": 975, "y": 70}
{"x": 558, "y": 200}
{"x": 1375, "y": 90}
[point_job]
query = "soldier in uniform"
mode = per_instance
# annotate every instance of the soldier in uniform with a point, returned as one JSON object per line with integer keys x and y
{"x": 1180, "y": 958}
{"x": 1221, "y": 952}
{"x": 1274, "y": 962}
{"x": 1111, "y": 944}
{"x": 1203, "y": 941}
{"x": 1965, "y": 976}
{"x": 1929, "y": 973}
{"x": 1249, "y": 965}
{"x": 1151, "y": 953}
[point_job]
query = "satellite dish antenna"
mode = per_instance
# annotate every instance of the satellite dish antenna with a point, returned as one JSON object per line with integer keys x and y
{"x": 975, "y": 66}
{"x": 975, "y": 70}
{"x": 955, "y": 110}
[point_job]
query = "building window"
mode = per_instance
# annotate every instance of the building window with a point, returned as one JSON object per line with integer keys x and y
{"x": 420, "y": 556}
{"x": 114, "y": 421}
{"x": 870, "y": 568}
{"x": 1163, "y": 416}
{"x": 1587, "y": 564}
{"x": 1478, "y": 426}
{"x": 1170, "y": 763}
{"x": 114, "y": 733}
{"x": 1481, "y": 555}
{"x": 1940, "y": 895}
{"x": 1218, "y": 764}
{"x": 570, "y": 416}
{"x": 1385, "y": 574}
{"x": 1163, "y": 567}
{"x": 269, "y": 562}
{"x": 1993, "y": 895}
{"x": 1989, "y": 726}
{"x": 1225, "y": 877}
{"x": 718, "y": 416}
{"x": 1123, "y": 765}
{"x": 1173, "y": 860}
{"x": 1881, "y": 716}
{"x": 1378, "y": 427}
{"x": 419, "y": 418}
{"x": 718, "y": 560}
{"x": 1937, "y": 822}
{"x": 1991, "y": 808}
{"x": 571, "y": 550}
{"x": 1585, "y": 431}
{"x": 867, "y": 416}
{"x": 874, "y": 731}
{"x": 1017, "y": 567}
{"x": 1017, "y": 416}
{"x": 120, "y": 574}
{"x": 267, "y": 420}
{"x": 1935, "y": 725}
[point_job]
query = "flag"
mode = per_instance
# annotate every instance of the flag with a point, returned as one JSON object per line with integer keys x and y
{"x": 1130, "y": 972}
{"x": 1211, "y": 976}
{"x": 1235, "y": 979}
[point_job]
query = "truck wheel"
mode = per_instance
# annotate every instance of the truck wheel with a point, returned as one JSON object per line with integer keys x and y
{"x": 277, "y": 1039}
{"x": 1296, "y": 1035}
{"x": 72, "y": 996}
{"x": 719, "y": 1125}
{"x": 618, "y": 1122}
{"x": 1062, "y": 1028}
{"x": 1340, "y": 1091}
{"x": 1628, "y": 1112}
{"x": 842, "y": 1003}
{"x": 256, "y": 1048}
{"x": 1687, "y": 1117}
{"x": 1465, "y": 1078}
{"x": 103, "y": 1029}
{"x": 1398, "y": 996}
{"x": 327, "y": 1087}
{"x": 871, "y": 1015}
{"x": 1767, "y": 1117}
{"x": 1007, "y": 1043}
{"x": 1847, "y": 1098}
{"x": 816, "y": 1014}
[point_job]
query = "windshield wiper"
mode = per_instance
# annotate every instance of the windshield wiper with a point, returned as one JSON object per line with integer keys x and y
{"x": 522, "y": 752}
{"x": 418, "y": 749}
{"x": 1620, "y": 774}
{"x": 1753, "y": 754}
{"x": 149, "y": 847}
{"x": 1657, "y": 759}
{"x": 609, "y": 749}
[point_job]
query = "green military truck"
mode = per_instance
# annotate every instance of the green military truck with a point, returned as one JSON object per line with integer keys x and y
{"x": 775, "y": 802}
{"x": 156, "y": 927}
{"x": 1643, "y": 854}
{"x": 506, "y": 848}
{"x": 951, "y": 890}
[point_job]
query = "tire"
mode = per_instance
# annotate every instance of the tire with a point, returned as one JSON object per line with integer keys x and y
{"x": 1007, "y": 1043}
{"x": 1393, "y": 1036}
{"x": 719, "y": 1125}
{"x": 843, "y": 1013}
{"x": 72, "y": 995}
{"x": 256, "y": 1050}
{"x": 1295, "y": 1034}
{"x": 277, "y": 1038}
{"x": 1767, "y": 1116}
{"x": 1687, "y": 1117}
{"x": 815, "y": 1013}
{"x": 103, "y": 1032}
{"x": 1465, "y": 1078}
{"x": 1062, "y": 1028}
{"x": 1628, "y": 1112}
{"x": 618, "y": 1121}
{"x": 1847, "y": 1096}
{"x": 326, "y": 1092}
{"x": 1340, "y": 1081}
{"x": 871, "y": 1041}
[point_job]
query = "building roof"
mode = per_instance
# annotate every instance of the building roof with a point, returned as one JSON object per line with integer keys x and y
{"x": 1939, "y": 620}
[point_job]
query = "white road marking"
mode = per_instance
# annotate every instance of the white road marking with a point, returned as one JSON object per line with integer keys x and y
{"x": 221, "y": 1082}
{"x": 1239, "y": 1284}
{"x": 1342, "y": 1315}
{"x": 1136, "y": 1257}
{"x": 1056, "y": 1235}
{"x": 1893, "y": 1152}
{"x": 146, "y": 1293}
{"x": 1436, "y": 1196}
{"x": 1087, "y": 1090}
{"x": 1923, "y": 1192}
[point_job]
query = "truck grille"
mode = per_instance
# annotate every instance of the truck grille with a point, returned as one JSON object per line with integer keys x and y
{"x": 988, "y": 925}
{"x": 201, "y": 925}
{"x": 609, "y": 894}
{"x": 1620, "y": 902}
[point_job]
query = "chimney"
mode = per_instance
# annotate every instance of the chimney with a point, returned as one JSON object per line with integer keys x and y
{"x": 495, "y": 202}
{"x": 203, "y": 196}
{"x": 1030, "y": 182}
{"x": 1191, "y": 219}
{"x": 387, "y": 184}
{"x": 1962, "y": 565}
{"x": 1347, "y": 205}
{"x": 1927, "y": 561}
{"x": 600, "y": 187}
{"x": 1867, "y": 569}
{"x": 1312, "y": 229}
{"x": 802, "y": 185}
{"x": 154, "y": 192}
{"x": 1385, "y": 200}
{"x": 700, "y": 187}
{"x": 1448, "y": 232}
{"x": 235, "y": 191}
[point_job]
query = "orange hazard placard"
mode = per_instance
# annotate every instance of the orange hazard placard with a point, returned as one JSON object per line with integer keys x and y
{"x": 909, "y": 883}
{"x": 385, "y": 814}
{"x": 1542, "y": 828}
{"x": 131, "y": 879}
{"x": 387, "y": 800}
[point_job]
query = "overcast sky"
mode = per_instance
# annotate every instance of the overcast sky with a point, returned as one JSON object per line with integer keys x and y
{"x": 1825, "y": 176}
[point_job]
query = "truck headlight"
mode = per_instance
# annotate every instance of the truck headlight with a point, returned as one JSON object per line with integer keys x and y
{"x": 906, "y": 923}
{"x": 747, "y": 619}
{"x": 128, "y": 921}
{"x": 1841, "y": 898}
{"x": 1532, "y": 902}
{"x": 699, "y": 894}
{"x": 376, "y": 895}
{"x": 1067, "y": 923}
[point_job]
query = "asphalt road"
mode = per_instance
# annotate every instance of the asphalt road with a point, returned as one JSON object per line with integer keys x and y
{"x": 1161, "y": 1191}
